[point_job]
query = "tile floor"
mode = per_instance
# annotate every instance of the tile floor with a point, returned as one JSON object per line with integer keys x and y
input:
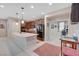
{"x": 8, "y": 48}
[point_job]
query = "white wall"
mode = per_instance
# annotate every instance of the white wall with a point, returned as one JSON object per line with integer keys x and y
{"x": 12, "y": 27}
{"x": 53, "y": 35}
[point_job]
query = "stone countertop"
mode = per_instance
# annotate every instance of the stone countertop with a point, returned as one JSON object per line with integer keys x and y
{"x": 25, "y": 34}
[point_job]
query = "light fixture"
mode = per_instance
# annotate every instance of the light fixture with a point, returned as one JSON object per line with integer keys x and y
{"x": 17, "y": 14}
{"x": 22, "y": 22}
{"x": 16, "y": 23}
{"x": 1, "y": 6}
{"x": 32, "y": 6}
{"x": 18, "y": 17}
{"x": 50, "y": 4}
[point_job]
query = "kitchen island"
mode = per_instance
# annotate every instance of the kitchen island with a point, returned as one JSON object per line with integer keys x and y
{"x": 24, "y": 40}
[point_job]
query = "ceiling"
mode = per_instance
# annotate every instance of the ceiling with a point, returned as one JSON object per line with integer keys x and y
{"x": 30, "y": 13}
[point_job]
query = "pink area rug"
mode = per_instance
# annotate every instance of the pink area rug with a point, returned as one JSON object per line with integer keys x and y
{"x": 47, "y": 50}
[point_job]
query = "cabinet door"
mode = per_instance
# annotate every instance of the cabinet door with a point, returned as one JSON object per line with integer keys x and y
{"x": 20, "y": 42}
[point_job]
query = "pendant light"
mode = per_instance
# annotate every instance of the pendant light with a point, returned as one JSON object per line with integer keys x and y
{"x": 16, "y": 20}
{"x": 22, "y": 21}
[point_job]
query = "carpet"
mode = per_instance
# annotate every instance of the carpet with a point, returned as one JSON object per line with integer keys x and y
{"x": 47, "y": 50}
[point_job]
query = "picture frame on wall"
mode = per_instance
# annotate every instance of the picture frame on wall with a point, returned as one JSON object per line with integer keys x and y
{"x": 52, "y": 26}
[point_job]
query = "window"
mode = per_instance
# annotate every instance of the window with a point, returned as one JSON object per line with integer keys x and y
{"x": 61, "y": 26}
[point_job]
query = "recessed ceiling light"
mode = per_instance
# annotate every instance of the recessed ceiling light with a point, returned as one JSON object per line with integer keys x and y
{"x": 32, "y": 6}
{"x": 33, "y": 16}
{"x": 42, "y": 13}
{"x": 50, "y": 4}
{"x": 1, "y": 6}
{"x": 23, "y": 13}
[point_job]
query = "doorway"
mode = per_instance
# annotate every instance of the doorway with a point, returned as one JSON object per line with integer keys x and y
{"x": 3, "y": 29}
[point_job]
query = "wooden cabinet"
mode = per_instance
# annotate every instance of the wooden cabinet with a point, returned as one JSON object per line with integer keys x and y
{"x": 30, "y": 25}
{"x": 27, "y": 25}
